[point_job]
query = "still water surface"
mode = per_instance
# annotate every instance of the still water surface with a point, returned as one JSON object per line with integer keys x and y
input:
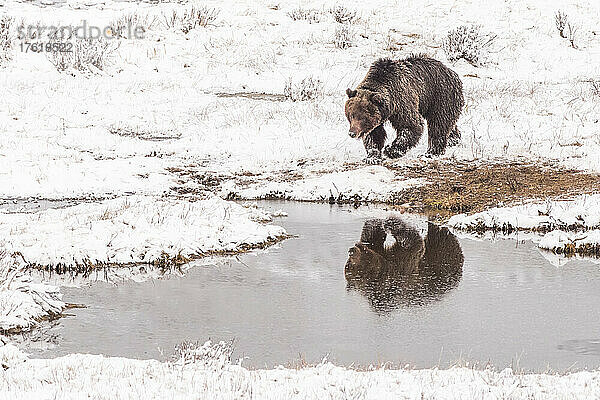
{"x": 359, "y": 290}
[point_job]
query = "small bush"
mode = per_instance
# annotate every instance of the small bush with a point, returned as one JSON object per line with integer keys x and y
{"x": 343, "y": 15}
{"x": 467, "y": 42}
{"x": 308, "y": 89}
{"x": 87, "y": 55}
{"x": 561, "y": 20}
{"x": 121, "y": 25}
{"x": 312, "y": 15}
{"x": 572, "y": 34}
{"x": 195, "y": 17}
{"x": 343, "y": 37}
{"x": 566, "y": 29}
{"x": 6, "y": 38}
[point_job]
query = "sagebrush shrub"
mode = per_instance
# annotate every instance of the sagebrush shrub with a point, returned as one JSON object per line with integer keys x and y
{"x": 467, "y": 42}
{"x": 343, "y": 15}
{"x": 561, "y": 20}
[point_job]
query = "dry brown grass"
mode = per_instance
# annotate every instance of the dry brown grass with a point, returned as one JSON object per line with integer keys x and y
{"x": 455, "y": 187}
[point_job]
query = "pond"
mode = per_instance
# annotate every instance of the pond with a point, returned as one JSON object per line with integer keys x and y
{"x": 360, "y": 287}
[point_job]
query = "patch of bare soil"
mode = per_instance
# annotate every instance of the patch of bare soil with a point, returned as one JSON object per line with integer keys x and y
{"x": 254, "y": 96}
{"x": 203, "y": 180}
{"x": 461, "y": 187}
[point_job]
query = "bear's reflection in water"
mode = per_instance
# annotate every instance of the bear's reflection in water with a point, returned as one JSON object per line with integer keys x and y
{"x": 393, "y": 266}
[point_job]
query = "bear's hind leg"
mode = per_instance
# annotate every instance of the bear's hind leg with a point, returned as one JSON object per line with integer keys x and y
{"x": 438, "y": 133}
{"x": 373, "y": 143}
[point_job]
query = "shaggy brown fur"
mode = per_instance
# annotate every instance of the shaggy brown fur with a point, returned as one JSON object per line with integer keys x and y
{"x": 411, "y": 271}
{"x": 404, "y": 92}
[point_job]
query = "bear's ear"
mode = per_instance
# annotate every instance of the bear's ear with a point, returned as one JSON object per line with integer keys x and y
{"x": 377, "y": 98}
{"x": 351, "y": 93}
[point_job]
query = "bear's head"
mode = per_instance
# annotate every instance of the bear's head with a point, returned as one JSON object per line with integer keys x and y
{"x": 363, "y": 110}
{"x": 363, "y": 263}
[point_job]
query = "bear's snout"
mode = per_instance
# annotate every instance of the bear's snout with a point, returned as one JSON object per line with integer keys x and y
{"x": 355, "y": 131}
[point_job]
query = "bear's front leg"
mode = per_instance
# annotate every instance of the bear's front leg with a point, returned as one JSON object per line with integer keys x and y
{"x": 409, "y": 128}
{"x": 373, "y": 143}
{"x": 399, "y": 146}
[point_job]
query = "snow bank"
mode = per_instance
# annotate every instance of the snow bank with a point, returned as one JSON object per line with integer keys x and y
{"x": 567, "y": 226}
{"x": 373, "y": 183}
{"x": 558, "y": 241}
{"x": 134, "y": 229}
{"x": 582, "y": 212}
{"x": 22, "y": 302}
{"x": 79, "y": 376}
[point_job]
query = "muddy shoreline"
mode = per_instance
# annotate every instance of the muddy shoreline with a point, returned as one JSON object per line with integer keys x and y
{"x": 452, "y": 187}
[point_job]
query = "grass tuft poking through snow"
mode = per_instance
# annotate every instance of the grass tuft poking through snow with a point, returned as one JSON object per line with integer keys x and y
{"x": 188, "y": 19}
{"x": 198, "y": 16}
{"x": 209, "y": 355}
{"x": 311, "y": 15}
{"x": 343, "y": 37}
{"x": 87, "y": 55}
{"x": 127, "y": 23}
{"x": 308, "y": 88}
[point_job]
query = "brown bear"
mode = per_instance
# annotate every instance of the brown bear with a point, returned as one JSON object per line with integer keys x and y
{"x": 404, "y": 92}
{"x": 410, "y": 271}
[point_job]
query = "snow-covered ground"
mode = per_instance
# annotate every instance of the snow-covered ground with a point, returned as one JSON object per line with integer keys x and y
{"x": 208, "y": 375}
{"x": 160, "y": 103}
{"x": 134, "y": 229}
